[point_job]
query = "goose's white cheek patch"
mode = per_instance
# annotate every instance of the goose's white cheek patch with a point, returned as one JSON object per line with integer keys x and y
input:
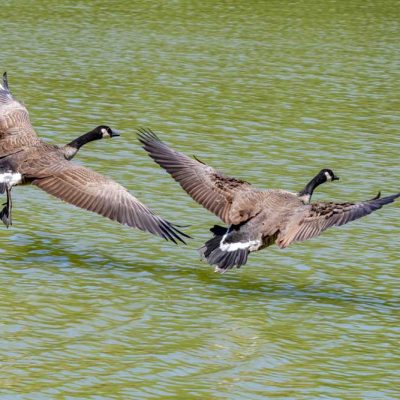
{"x": 328, "y": 177}
{"x": 104, "y": 133}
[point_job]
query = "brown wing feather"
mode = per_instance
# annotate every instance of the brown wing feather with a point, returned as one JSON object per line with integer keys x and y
{"x": 91, "y": 191}
{"x": 16, "y": 130}
{"x": 311, "y": 220}
{"x": 208, "y": 187}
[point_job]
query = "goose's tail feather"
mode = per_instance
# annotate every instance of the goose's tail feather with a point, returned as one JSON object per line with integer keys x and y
{"x": 222, "y": 259}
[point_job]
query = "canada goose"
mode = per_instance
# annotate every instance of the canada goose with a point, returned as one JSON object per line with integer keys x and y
{"x": 257, "y": 218}
{"x": 24, "y": 158}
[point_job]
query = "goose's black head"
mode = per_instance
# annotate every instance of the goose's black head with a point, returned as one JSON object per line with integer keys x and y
{"x": 104, "y": 131}
{"x": 327, "y": 175}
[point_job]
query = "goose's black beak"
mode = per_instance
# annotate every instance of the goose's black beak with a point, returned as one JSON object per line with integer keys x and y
{"x": 335, "y": 178}
{"x": 115, "y": 133}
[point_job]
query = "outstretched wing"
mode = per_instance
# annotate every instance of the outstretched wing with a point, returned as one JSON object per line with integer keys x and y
{"x": 210, "y": 188}
{"x": 91, "y": 191}
{"x": 16, "y": 130}
{"x": 313, "y": 219}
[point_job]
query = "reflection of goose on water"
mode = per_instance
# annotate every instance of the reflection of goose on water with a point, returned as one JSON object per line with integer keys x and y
{"x": 257, "y": 218}
{"x": 24, "y": 158}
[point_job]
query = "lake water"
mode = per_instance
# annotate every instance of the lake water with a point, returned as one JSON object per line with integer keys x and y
{"x": 270, "y": 92}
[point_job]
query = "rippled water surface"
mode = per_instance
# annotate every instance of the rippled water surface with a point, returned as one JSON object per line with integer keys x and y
{"x": 267, "y": 91}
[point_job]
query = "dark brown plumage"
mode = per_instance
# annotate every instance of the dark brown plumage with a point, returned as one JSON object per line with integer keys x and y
{"x": 24, "y": 158}
{"x": 257, "y": 218}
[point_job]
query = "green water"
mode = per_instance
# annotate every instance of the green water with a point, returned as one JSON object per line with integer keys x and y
{"x": 268, "y": 91}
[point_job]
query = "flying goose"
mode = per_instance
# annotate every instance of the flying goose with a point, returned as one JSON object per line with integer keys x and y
{"x": 24, "y": 158}
{"x": 256, "y": 218}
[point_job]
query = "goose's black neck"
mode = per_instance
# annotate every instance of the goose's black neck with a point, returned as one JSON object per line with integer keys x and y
{"x": 312, "y": 185}
{"x": 323, "y": 176}
{"x": 86, "y": 138}
{"x": 73, "y": 147}
{"x": 307, "y": 192}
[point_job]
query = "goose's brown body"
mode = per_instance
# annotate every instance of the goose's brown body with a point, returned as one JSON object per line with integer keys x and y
{"x": 257, "y": 218}
{"x": 24, "y": 158}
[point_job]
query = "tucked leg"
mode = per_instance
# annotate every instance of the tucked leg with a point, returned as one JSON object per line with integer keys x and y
{"x": 5, "y": 213}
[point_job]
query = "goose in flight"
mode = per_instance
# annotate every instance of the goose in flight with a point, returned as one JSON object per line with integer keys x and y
{"x": 256, "y": 218}
{"x": 25, "y": 158}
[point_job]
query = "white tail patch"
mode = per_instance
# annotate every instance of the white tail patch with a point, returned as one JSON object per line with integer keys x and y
{"x": 11, "y": 178}
{"x": 251, "y": 245}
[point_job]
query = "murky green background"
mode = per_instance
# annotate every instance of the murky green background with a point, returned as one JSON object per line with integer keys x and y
{"x": 269, "y": 91}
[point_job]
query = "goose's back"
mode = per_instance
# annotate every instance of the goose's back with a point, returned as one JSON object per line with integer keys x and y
{"x": 16, "y": 131}
{"x": 271, "y": 204}
{"x": 34, "y": 161}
